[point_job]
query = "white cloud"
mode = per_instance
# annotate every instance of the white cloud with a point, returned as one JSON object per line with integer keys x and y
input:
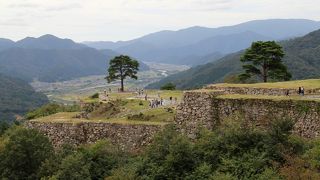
{"x": 125, "y": 19}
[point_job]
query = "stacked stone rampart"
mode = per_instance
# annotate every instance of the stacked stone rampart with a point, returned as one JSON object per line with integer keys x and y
{"x": 195, "y": 110}
{"x": 260, "y": 112}
{"x": 205, "y": 110}
{"x": 128, "y": 136}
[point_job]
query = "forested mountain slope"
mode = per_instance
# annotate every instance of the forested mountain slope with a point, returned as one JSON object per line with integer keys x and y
{"x": 302, "y": 58}
{"x": 51, "y": 65}
{"x": 17, "y": 97}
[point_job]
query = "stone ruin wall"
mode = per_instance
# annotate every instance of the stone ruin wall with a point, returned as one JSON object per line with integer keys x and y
{"x": 129, "y": 137}
{"x": 305, "y": 114}
{"x": 195, "y": 109}
{"x": 200, "y": 109}
{"x": 260, "y": 91}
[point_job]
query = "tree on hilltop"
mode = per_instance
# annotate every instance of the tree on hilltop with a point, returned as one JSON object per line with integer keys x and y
{"x": 122, "y": 67}
{"x": 264, "y": 60}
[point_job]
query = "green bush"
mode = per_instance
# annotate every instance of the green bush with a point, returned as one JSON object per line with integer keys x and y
{"x": 170, "y": 156}
{"x": 168, "y": 86}
{"x": 94, "y": 161}
{"x": 73, "y": 167}
{"x": 234, "y": 150}
{"x": 3, "y": 127}
{"x": 95, "y": 96}
{"x": 102, "y": 157}
{"x": 23, "y": 153}
{"x": 140, "y": 117}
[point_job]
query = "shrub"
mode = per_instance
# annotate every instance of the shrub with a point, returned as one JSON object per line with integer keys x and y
{"x": 94, "y": 161}
{"x": 168, "y": 86}
{"x": 95, "y": 96}
{"x": 127, "y": 172}
{"x": 170, "y": 156}
{"x": 140, "y": 117}
{"x": 102, "y": 157}
{"x": 73, "y": 167}
{"x": 3, "y": 127}
{"x": 170, "y": 110}
{"x": 23, "y": 153}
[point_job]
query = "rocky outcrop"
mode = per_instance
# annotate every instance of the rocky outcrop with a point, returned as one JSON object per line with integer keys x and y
{"x": 128, "y": 136}
{"x": 206, "y": 110}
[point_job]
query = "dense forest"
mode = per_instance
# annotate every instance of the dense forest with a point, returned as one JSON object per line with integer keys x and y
{"x": 301, "y": 57}
{"x": 234, "y": 150}
{"x": 17, "y": 97}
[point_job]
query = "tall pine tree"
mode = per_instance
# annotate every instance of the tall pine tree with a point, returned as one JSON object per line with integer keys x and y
{"x": 264, "y": 60}
{"x": 122, "y": 67}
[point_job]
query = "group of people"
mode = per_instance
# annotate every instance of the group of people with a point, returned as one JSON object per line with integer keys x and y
{"x": 154, "y": 103}
{"x": 140, "y": 92}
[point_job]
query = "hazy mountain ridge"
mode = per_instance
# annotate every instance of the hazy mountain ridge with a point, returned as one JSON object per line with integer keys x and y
{"x": 302, "y": 58}
{"x": 176, "y": 46}
{"x": 49, "y": 59}
{"x": 6, "y": 43}
{"x": 222, "y": 44}
{"x": 48, "y": 42}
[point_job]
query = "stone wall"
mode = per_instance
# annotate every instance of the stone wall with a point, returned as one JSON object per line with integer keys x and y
{"x": 128, "y": 137}
{"x": 206, "y": 110}
{"x": 260, "y": 91}
{"x": 195, "y": 110}
{"x": 260, "y": 112}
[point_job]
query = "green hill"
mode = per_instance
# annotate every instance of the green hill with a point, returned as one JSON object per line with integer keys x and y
{"x": 302, "y": 58}
{"x": 17, "y": 97}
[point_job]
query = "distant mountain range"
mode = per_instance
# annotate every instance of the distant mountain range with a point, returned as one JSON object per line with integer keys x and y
{"x": 49, "y": 59}
{"x": 17, "y": 97}
{"x": 192, "y": 45}
{"x": 302, "y": 58}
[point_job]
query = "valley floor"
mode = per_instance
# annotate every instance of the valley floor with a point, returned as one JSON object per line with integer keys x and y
{"x": 70, "y": 91}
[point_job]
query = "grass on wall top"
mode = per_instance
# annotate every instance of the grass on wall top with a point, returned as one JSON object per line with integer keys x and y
{"x": 307, "y": 84}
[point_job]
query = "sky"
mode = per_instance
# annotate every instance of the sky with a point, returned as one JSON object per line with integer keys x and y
{"x": 101, "y": 20}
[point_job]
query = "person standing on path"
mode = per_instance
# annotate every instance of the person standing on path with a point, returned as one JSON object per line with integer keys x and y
{"x": 299, "y": 91}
